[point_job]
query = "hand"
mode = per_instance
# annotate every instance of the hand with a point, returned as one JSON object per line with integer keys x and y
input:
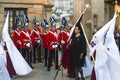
{"x": 56, "y": 46}
{"x": 62, "y": 41}
{"x": 28, "y": 44}
{"x": 38, "y": 41}
{"x": 53, "y": 46}
{"x": 19, "y": 42}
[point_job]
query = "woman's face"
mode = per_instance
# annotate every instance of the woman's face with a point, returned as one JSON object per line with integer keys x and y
{"x": 25, "y": 28}
{"x": 77, "y": 30}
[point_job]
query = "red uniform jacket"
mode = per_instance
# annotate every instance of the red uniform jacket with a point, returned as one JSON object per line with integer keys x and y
{"x": 16, "y": 38}
{"x": 35, "y": 36}
{"x": 44, "y": 39}
{"x": 40, "y": 30}
{"x": 64, "y": 35}
{"x": 25, "y": 39}
{"x": 29, "y": 31}
{"x": 52, "y": 39}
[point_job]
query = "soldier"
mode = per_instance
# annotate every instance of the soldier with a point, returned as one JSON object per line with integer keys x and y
{"x": 36, "y": 41}
{"x": 64, "y": 35}
{"x": 16, "y": 37}
{"x": 44, "y": 39}
{"x": 53, "y": 43}
{"x": 40, "y": 46}
{"x": 26, "y": 45}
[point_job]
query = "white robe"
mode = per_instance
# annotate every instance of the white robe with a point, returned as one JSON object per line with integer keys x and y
{"x": 4, "y": 75}
{"x": 20, "y": 65}
{"x": 113, "y": 54}
{"x": 101, "y": 67}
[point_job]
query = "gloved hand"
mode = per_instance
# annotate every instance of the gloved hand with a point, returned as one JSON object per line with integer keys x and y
{"x": 28, "y": 45}
{"x": 62, "y": 41}
{"x": 19, "y": 42}
{"x": 53, "y": 46}
{"x": 56, "y": 46}
{"x": 38, "y": 41}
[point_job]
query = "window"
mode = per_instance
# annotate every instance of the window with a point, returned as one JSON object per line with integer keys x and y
{"x": 13, "y": 13}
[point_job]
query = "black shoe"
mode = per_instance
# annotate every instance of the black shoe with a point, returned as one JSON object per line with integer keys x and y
{"x": 13, "y": 76}
{"x": 58, "y": 68}
{"x": 34, "y": 62}
{"x": 45, "y": 65}
{"x": 48, "y": 69}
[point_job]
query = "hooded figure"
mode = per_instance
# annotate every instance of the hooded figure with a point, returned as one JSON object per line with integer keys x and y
{"x": 100, "y": 53}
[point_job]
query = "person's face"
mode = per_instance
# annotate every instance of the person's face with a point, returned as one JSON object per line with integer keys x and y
{"x": 26, "y": 28}
{"x": 77, "y": 30}
{"x": 67, "y": 27}
{"x": 47, "y": 29}
{"x": 19, "y": 27}
{"x": 37, "y": 26}
{"x": 52, "y": 28}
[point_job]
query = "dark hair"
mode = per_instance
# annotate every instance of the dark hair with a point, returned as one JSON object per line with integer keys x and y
{"x": 79, "y": 27}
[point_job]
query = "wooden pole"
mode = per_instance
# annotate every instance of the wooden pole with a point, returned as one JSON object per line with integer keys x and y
{"x": 87, "y": 41}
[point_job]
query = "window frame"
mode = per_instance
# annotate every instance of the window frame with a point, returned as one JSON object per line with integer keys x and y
{"x": 14, "y": 14}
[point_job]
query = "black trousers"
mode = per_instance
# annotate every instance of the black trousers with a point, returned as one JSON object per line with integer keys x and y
{"x": 19, "y": 49}
{"x": 39, "y": 53}
{"x": 34, "y": 53}
{"x": 45, "y": 56}
{"x": 52, "y": 54}
{"x": 27, "y": 54}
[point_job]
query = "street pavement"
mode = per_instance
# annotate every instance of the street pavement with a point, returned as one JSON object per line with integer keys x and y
{"x": 40, "y": 73}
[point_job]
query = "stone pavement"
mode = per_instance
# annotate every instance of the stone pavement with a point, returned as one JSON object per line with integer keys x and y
{"x": 40, "y": 73}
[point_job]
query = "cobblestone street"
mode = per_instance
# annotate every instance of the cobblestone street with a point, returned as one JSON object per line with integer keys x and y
{"x": 40, "y": 73}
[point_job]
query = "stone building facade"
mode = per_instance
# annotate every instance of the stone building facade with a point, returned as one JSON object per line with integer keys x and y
{"x": 99, "y": 13}
{"x": 39, "y": 8}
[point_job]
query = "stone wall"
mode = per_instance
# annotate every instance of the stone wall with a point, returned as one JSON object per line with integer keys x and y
{"x": 26, "y": 1}
{"x": 38, "y": 8}
{"x": 79, "y": 5}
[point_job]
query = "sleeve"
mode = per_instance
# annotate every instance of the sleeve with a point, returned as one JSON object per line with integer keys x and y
{"x": 32, "y": 37}
{"x": 83, "y": 44}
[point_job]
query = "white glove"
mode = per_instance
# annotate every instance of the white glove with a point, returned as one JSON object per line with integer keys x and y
{"x": 56, "y": 46}
{"x": 38, "y": 41}
{"x": 62, "y": 41}
{"x": 19, "y": 42}
{"x": 53, "y": 46}
{"x": 28, "y": 44}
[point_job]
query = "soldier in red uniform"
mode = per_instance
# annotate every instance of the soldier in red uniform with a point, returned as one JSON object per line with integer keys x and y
{"x": 26, "y": 45}
{"x": 53, "y": 43}
{"x": 36, "y": 41}
{"x": 44, "y": 25}
{"x": 39, "y": 47}
{"x": 16, "y": 37}
{"x": 64, "y": 35}
{"x": 45, "y": 44}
